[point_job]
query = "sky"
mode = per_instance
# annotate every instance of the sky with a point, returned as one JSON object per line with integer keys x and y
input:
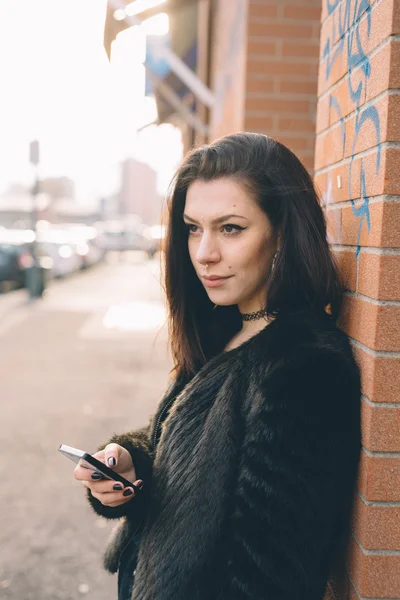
{"x": 58, "y": 86}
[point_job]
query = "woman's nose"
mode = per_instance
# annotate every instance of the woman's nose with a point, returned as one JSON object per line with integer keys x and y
{"x": 208, "y": 250}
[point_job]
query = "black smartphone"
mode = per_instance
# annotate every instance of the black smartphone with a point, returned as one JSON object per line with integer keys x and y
{"x": 90, "y": 462}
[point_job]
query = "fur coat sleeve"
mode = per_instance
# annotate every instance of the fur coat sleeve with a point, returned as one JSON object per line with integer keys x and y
{"x": 295, "y": 483}
{"x": 139, "y": 444}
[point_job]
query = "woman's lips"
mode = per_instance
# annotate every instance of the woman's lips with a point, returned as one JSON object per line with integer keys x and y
{"x": 215, "y": 282}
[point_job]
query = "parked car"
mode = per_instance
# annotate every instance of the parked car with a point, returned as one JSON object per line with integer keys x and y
{"x": 11, "y": 269}
{"x": 89, "y": 253}
{"x": 82, "y": 239}
{"x": 65, "y": 259}
{"x": 122, "y": 238}
{"x": 15, "y": 260}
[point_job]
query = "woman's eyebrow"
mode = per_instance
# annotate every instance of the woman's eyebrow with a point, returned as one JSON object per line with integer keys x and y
{"x": 215, "y": 221}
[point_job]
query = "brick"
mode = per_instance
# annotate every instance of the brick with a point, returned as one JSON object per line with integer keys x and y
{"x": 388, "y": 111}
{"x": 375, "y": 576}
{"x": 259, "y": 124}
{"x": 385, "y": 225}
{"x": 380, "y": 428}
{"x": 342, "y": 104}
{"x": 278, "y": 30}
{"x": 340, "y": 176}
{"x": 380, "y": 376}
{"x": 329, "y": 147}
{"x": 382, "y": 26}
{"x": 322, "y": 120}
{"x": 329, "y": 31}
{"x": 261, "y": 85}
{"x": 334, "y": 226}
{"x": 393, "y": 119}
{"x": 262, "y": 11}
{"x": 320, "y": 186}
{"x": 379, "y": 478}
{"x": 308, "y": 163}
{"x": 347, "y": 262}
{"x": 266, "y": 103}
{"x": 281, "y": 67}
{"x": 378, "y": 81}
{"x": 376, "y": 527}
{"x": 299, "y": 87}
{"x": 296, "y": 144}
{"x": 367, "y": 135}
{"x": 382, "y": 179}
{"x": 305, "y": 49}
{"x": 263, "y": 48}
{"x": 307, "y": 13}
{"x": 331, "y": 23}
{"x": 379, "y": 276}
{"x": 391, "y": 225}
{"x": 338, "y": 68}
{"x": 396, "y": 17}
{"x": 374, "y": 325}
{"x": 394, "y": 76}
{"x": 300, "y": 124}
{"x": 355, "y": 225}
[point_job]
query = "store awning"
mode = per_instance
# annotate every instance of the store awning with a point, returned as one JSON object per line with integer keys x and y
{"x": 183, "y": 42}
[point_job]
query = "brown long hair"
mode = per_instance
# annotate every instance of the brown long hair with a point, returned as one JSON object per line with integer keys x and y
{"x": 305, "y": 273}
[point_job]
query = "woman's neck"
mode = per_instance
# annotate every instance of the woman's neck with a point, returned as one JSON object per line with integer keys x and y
{"x": 248, "y": 330}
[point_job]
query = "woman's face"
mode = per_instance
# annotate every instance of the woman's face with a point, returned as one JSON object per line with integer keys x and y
{"x": 230, "y": 237}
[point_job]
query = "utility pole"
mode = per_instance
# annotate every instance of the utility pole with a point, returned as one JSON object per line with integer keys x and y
{"x": 35, "y": 273}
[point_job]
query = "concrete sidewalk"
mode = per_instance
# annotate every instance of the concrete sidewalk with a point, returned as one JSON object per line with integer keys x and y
{"x": 69, "y": 376}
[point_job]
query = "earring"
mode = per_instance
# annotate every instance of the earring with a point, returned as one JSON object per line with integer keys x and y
{"x": 273, "y": 261}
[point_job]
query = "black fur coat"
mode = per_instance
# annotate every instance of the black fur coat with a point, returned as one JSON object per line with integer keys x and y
{"x": 251, "y": 485}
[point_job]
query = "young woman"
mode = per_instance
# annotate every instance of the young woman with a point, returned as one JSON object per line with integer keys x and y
{"x": 249, "y": 464}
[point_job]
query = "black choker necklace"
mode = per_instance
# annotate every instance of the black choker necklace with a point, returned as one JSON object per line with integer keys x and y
{"x": 254, "y": 315}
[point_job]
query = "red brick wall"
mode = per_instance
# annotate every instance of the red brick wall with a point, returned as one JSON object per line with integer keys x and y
{"x": 264, "y": 56}
{"x": 282, "y": 72}
{"x": 228, "y": 56}
{"x": 357, "y": 170}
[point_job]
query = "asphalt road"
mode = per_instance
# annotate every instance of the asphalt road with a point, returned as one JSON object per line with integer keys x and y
{"x": 88, "y": 360}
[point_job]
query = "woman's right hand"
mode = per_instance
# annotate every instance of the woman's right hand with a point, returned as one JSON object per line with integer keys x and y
{"x": 109, "y": 492}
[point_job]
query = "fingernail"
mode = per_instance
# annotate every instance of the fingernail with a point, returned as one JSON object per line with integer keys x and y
{"x": 112, "y": 462}
{"x": 127, "y": 492}
{"x": 96, "y": 476}
{"x": 139, "y": 484}
{"x": 117, "y": 487}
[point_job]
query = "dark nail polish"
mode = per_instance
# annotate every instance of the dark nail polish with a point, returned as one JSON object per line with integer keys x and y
{"x": 117, "y": 487}
{"x": 96, "y": 476}
{"x": 127, "y": 492}
{"x": 112, "y": 462}
{"x": 139, "y": 484}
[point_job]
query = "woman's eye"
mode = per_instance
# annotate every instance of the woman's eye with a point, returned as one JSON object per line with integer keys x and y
{"x": 233, "y": 229}
{"x": 228, "y": 229}
{"x": 191, "y": 228}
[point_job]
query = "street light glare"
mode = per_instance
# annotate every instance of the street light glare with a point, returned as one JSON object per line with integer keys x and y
{"x": 138, "y": 6}
{"x": 119, "y": 14}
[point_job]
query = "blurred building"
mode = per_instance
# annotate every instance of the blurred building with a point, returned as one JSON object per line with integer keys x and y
{"x": 58, "y": 187}
{"x": 323, "y": 77}
{"x": 16, "y": 207}
{"x": 138, "y": 194}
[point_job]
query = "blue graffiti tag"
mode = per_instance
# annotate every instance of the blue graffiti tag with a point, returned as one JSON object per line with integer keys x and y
{"x": 347, "y": 24}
